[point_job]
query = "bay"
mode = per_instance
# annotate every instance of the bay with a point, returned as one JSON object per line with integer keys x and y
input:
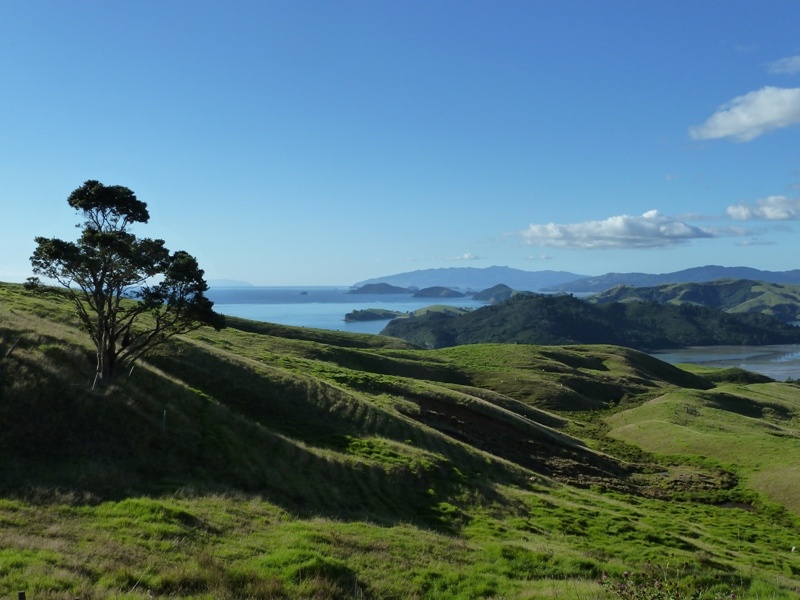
{"x": 781, "y": 362}
{"x": 319, "y": 307}
{"x": 324, "y": 307}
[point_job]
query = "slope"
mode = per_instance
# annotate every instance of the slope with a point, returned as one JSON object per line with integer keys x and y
{"x": 731, "y": 295}
{"x": 694, "y": 275}
{"x": 754, "y": 427}
{"x": 271, "y": 462}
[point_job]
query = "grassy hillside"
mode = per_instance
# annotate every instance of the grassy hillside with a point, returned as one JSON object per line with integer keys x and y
{"x": 693, "y": 275}
{"x": 753, "y": 428}
{"x": 265, "y": 461}
{"x": 731, "y": 295}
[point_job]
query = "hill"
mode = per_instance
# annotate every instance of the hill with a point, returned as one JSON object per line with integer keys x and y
{"x": 731, "y": 295}
{"x": 693, "y": 275}
{"x": 472, "y": 278}
{"x": 495, "y": 294}
{"x": 438, "y": 292}
{"x": 563, "y": 319}
{"x": 372, "y": 314}
{"x": 266, "y": 461}
{"x": 379, "y": 288}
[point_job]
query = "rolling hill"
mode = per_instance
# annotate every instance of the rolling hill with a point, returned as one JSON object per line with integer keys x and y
{"x": 265, "y": 461}
{"x": 731, "y": 295}
{"x": 693, "y": 275}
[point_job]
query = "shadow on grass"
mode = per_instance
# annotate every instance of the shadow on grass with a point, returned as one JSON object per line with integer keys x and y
{"x": 747, "y": 407}
{"x": 220, "y": 427}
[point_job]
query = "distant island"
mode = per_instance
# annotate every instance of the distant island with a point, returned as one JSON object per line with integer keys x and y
{"x": 429, "y": 292}
{"x": 372, "y": 314}
{"x": 382, "y": 314}
{"x": 379, "y": 288}
{"x": 438, "y": 292}
{"x": 495, "y": 294}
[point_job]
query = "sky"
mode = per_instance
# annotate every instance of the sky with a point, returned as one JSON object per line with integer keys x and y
{"x": 323, "y": 143}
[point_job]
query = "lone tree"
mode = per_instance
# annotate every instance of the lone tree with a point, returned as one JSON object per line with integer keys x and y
{"x": 131, "y": 294}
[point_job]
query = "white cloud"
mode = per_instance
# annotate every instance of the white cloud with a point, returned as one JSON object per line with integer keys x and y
{"x": 694, "y": 217}
{"x": 785, "y": 66}
{"x": 771, "y": 208}
{"x": 731, "y": 231}
{"x": 651, "y": 230}
{"x": 756, "y": 242}
{"x": 747, "y": 117}
{"x": 466, "y": 256}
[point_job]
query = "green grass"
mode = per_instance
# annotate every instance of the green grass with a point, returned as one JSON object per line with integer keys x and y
{"x": 218, "y": 546}
{"x": 265, "y": 461}
{"x": 442, "y": 308}
{"x": 754, "y": 427}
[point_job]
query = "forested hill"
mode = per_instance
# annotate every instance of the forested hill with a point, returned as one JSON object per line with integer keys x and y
{"x": 731, "y": 295}
{"x": 563, "y": 319}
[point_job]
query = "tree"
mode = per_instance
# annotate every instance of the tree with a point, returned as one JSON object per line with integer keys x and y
{"x": 131, "y": 294}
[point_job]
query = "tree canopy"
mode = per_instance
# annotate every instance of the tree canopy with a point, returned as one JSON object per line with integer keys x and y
{"x": 131, "y": 294}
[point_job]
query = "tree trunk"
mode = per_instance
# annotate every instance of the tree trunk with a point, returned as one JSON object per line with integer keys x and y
{"x": 106, "y": 362}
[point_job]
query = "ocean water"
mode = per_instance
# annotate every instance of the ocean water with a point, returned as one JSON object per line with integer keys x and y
{"x": 319, "y": 307}
{"x": 780, "y": 362}
{"x": 325, "y": 308}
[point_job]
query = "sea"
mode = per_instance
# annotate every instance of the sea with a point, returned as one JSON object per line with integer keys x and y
{"x": 324, "y": 307}
{"x": 319, "y": 307}
{"x": 781, "y": 362}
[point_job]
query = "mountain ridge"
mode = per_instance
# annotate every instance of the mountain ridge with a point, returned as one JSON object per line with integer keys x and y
{"x": 702, "y": 274}
{"x": 780, "y": 300}
{"x": 475, "y": 278}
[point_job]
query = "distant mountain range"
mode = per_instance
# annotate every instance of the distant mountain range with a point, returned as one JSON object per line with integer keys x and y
{"x": 476, "y": 279}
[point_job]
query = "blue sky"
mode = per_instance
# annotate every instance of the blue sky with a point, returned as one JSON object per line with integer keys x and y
{"x": 323, "y": 143}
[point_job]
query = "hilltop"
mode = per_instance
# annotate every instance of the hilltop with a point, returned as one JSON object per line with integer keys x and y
{"x": 379, "y": 288}
{"x": 438, "y": 292}
{"x": 563, "y": 319}
{"x": 694, "y": 275}
{"x": 267, "y": 461}
{"x": 731, "y": 295}
{"x": 495, "y": 294}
